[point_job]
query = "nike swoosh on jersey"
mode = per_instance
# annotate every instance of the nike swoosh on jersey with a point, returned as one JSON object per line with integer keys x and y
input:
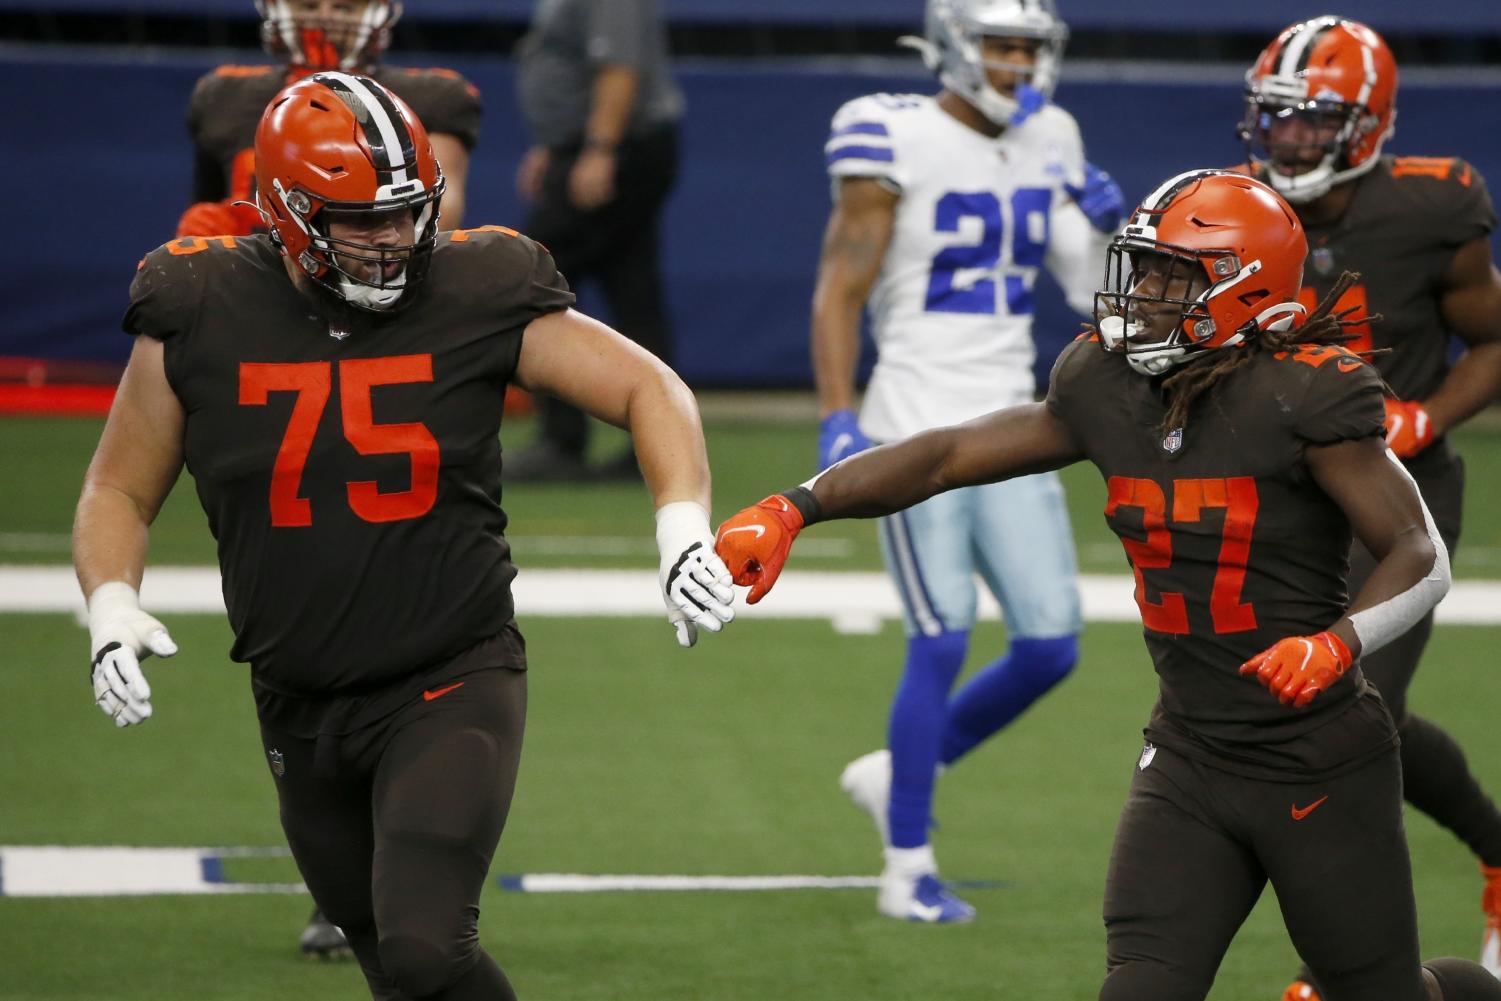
{"x": 1345, "y": 365}
{"x": 1305, "y": 811}
{"x": 760, "y": 530}
{"x": 437, "y": 693}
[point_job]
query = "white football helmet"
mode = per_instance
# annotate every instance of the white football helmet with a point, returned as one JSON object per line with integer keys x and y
{"x": 954, "y": 31}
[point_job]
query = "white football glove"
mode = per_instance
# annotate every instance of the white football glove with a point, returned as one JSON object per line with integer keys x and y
{"x": 120, "y": 634}
{"x": 695, "y": 582}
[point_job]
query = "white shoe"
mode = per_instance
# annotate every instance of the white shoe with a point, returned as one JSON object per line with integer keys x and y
{"x": 867, "y": 780}
{"x": 922, "y": 898}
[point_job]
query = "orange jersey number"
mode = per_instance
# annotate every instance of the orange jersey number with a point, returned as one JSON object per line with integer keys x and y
{"x": 1237, "y": 497}
{"x": 1354, "y": 297}
{"x": 312, "y": 382}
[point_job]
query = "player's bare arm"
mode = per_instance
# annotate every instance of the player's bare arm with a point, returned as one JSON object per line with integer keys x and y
{"x": 584, "y": 362}
{"x": 1017, "y": 441}
{"x": 854, "y": 245}
{"x": 455, "y": 160}
{"x": 1387, "y": 515}
{"x": 138, "y": 459}
{"x": 1471, "y": 307}
{"x": 587, "y": 364}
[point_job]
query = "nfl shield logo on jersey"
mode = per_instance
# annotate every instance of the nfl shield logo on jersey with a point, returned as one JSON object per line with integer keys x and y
{"x": 1173, "y": 441}
{"x": 278, "y": 763}
{"x": 1322, "y": 259}
{"x": 1148, "y": 752}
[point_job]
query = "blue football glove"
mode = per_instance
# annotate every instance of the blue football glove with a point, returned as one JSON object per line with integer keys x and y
{"x": 838, "y": 437}
{"x": 1100, "y": 199}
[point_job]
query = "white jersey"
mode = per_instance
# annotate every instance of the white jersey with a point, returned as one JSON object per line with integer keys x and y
{"x": 951, "y": 311}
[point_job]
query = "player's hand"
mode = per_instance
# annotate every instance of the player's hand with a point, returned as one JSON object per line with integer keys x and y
{"x": 1298, "y": 668}
{"x": 839, "y": 437}
{"x": 695, "y": 583}
{"x": 218, "y": 219}
{"x": 1099, "y": 198}
{"x": 120, "y": 634}
{"x": 754, "y": 543}
{"x": 1409, "y": 430}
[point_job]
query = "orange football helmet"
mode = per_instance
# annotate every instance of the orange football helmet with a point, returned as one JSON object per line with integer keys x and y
{"x": 1223, "y": 232}
{"x": 322, "y": 38}
{"x": 337, "y": 144}
{"x": 1320, "y": 102}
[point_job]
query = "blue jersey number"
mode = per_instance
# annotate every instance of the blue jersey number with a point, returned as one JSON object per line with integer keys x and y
{"x": 952, "y": 208}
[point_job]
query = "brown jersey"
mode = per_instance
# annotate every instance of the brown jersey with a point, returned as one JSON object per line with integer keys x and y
{"x": 227, "y": 105}
{"x": 1405, "y": 221}
{"x": 1232, "y": 543}
{"x": 351, "y": 480}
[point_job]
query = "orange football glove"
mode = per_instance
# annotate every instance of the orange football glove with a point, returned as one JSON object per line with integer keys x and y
{"x": 1408, "y": 428}
{"x": 1300, "y": 667}
{"x": 755, "y": 541}
{"x": 219, "y": 219}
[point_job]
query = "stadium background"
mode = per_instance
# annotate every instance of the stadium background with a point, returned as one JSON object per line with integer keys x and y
{"x": 640, "y": 759}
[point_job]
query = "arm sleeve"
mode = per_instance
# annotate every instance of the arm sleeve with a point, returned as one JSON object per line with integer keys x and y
{"x": 1343, "y": 400}
{"x": 862, "y": 141}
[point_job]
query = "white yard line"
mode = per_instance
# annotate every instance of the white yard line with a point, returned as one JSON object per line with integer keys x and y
{"x": 854, "y": 601}
{"x": 124, "y": 871}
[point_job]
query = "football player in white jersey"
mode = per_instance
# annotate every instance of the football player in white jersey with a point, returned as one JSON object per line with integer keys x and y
{"x": 945, "y": 207}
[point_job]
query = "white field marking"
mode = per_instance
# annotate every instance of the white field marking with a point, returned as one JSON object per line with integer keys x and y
{"x": 561, "y": 882}
{"x": 850, "y": 599}
{"x": 626, "y": 545}
{"x": 118, "y": 871}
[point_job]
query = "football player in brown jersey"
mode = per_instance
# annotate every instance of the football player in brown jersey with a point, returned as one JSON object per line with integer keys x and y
{"x": 309, "y": 36}
{"x": 1241, "y": 447}
{"x": 306, "y": 36}
{"x": 1320, "y": 103}
{"x": 335, "y": 388}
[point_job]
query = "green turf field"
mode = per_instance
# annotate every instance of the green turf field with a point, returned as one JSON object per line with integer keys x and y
{"x": 644, "y": 759}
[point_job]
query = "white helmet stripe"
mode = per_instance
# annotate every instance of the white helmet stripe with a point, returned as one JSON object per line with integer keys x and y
{"x": 390, "y": 146}
{"x": 1292, "y": 56}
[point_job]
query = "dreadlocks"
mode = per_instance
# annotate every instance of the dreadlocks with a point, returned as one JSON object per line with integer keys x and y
{"x": 1201, "y": 373}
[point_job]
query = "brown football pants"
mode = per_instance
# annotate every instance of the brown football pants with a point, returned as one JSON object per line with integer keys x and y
{"x": 1196, "y": 845}
{"x": 393, "y": 827}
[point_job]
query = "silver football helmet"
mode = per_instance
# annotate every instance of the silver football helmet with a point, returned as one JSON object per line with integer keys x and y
{"x": 952, "y": 48}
